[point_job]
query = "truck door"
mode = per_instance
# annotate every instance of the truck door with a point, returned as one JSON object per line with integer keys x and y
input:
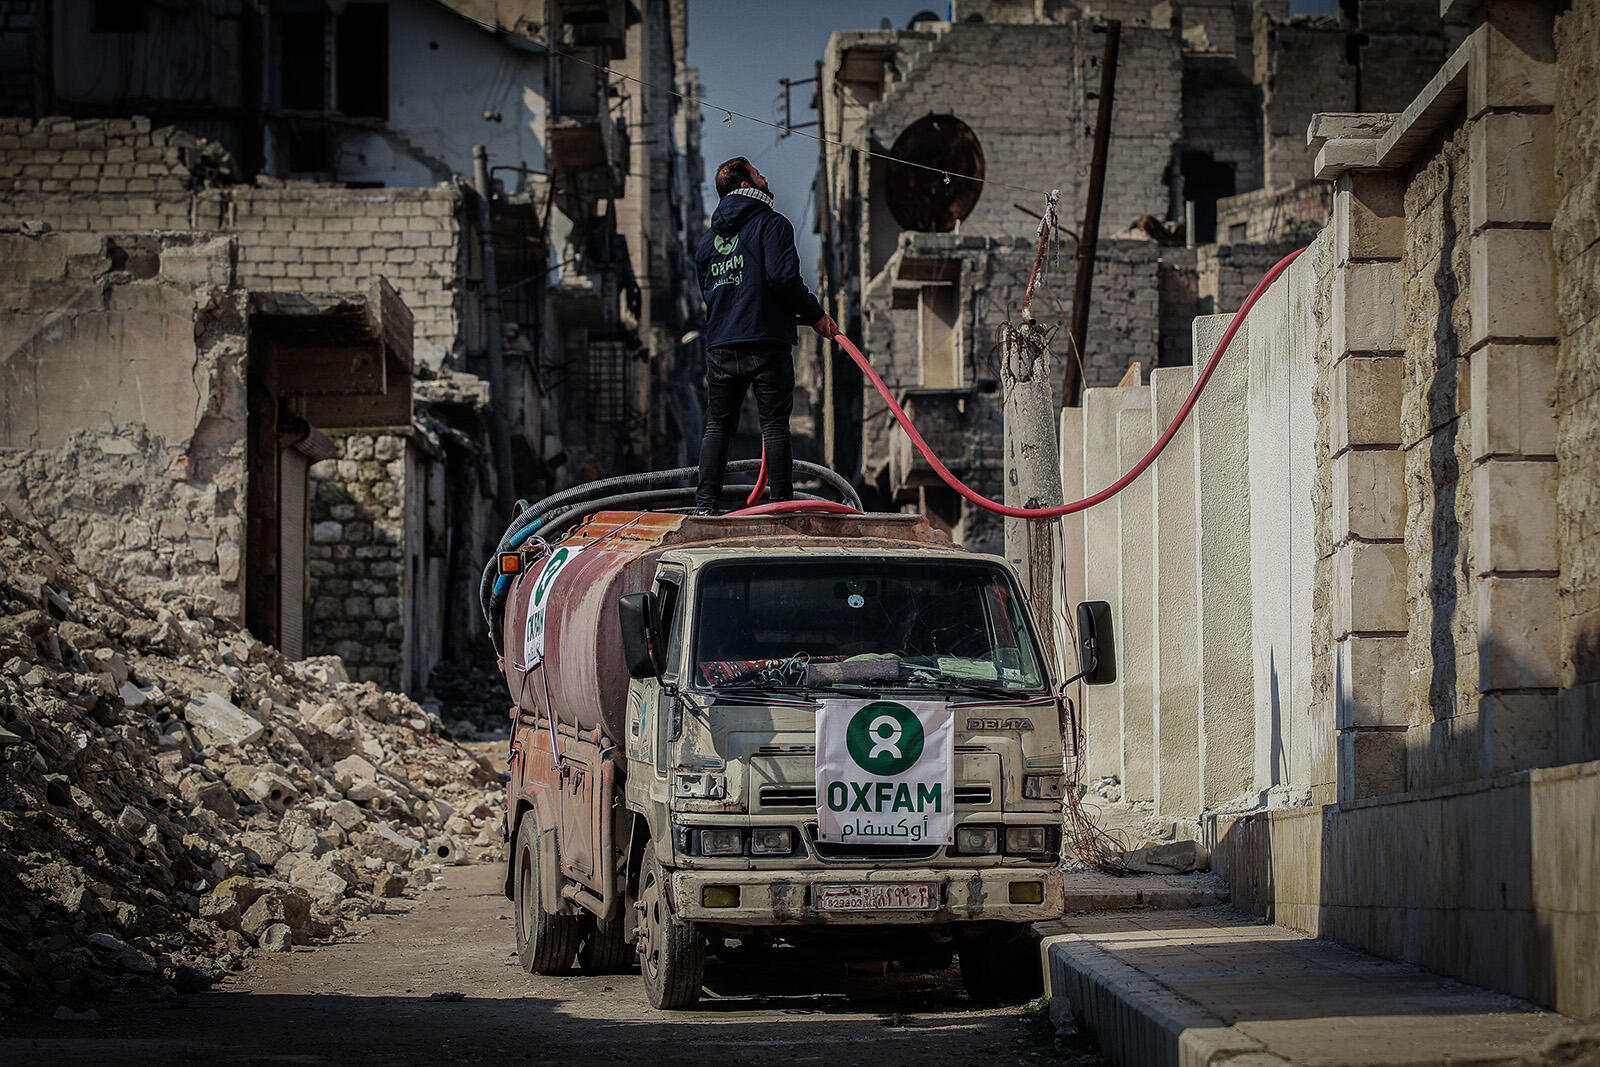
{"x": 655, "y": 727}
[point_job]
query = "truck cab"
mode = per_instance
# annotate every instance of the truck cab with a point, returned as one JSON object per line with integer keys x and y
{"x": 728, "y": 833}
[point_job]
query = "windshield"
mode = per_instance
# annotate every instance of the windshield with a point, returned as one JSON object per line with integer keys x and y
{"x": 866, "y": 623}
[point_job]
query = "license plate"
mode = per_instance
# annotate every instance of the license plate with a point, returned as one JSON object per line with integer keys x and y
{"x": 907, "y": 896}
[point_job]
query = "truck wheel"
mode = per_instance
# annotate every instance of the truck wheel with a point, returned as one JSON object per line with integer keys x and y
{"x": 1001, "y": 969}
{"x": 606, "y": 950}
{"x": 672, "y": 953}
{"x": 546, "y": 941}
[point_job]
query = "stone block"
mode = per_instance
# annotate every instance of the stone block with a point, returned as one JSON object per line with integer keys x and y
{"x": 1513, "y": 400}
{"x": 1513, "y": 289}
{"x": 218, "y": 722}
{"x": 1369, "y": 588}
{"x": 1511, "y": 170}
{"x": 1522, "y": 731}
{"x": 1364, "y": 403}
{"x": 1514, "y": 516}
{"x": 1368, "y": 310}
{"x": 1372, "y": 763}
{"x": 1368, "y": 216}
{"x": 1372, "y": 673}
{"x": 1518, "y": 633}
{"x": 1369, "y": 495}
{"x": 1513, "y": 58}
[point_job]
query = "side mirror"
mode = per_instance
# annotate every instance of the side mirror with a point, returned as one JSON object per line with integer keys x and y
{"x": 1097, "y": 650}
{"x": 634, "y": 612}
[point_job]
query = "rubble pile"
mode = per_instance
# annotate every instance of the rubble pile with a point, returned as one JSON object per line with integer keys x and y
{"x": 174, "y": 794}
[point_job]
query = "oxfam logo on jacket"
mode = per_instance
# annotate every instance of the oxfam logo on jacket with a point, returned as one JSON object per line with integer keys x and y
{"x": 884, "y": 738}
{"x": 725, "y": 246}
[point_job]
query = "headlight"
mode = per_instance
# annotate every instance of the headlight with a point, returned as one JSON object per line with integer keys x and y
{"x": 702, "y": 786}
{"x": 1044, "y": 786}
{"x": 1025, "y": 840}
{"x": 721, "y": 842}
{"x": 771, "y": 841}
{"x": 977, "y": 840}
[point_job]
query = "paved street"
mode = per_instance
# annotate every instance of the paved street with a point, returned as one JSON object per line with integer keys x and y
{"x": 368, "y": 1001}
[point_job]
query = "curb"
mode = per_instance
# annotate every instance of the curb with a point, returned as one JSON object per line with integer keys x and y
{"x": 1137, "y": 1020}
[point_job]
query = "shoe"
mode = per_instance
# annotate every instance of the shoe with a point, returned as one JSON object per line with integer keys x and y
{"x": 705, "y": 511}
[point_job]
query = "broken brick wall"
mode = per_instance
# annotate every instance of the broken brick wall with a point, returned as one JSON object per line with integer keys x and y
{"x": 357, "y": 556}
{"x": 123, "y": 176}
{"x": 990, "y": 277}
{"x": 122, "y": 405}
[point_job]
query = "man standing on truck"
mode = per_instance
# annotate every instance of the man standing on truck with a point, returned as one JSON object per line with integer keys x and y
{"x": 750, "y": 278}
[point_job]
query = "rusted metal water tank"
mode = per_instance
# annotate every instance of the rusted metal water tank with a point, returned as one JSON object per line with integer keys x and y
{"x": 562, "y": 639}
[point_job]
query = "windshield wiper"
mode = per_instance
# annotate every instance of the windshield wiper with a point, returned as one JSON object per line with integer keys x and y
{"x": 744, "y": 690}
{"x": 965, "y": 685}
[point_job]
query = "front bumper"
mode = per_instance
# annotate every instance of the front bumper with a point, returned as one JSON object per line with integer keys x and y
{"x": 780, "y": 898}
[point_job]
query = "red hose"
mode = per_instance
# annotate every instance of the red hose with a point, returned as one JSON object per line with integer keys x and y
{"x": 761, "y": 480}
{"x": 1026, "y": 513}
{"x": 1121, "y": 483}
{"x": 780, "y": 507}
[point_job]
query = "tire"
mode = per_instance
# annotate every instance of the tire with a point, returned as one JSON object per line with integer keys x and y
{"x": 672, "y": 953}
{"x": 546, "y": 942}
{"x": 1003, "y": 969}
{"x": 606, "y": 949}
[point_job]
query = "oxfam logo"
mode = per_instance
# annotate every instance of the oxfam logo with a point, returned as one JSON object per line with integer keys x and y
{"x": 725, "y": 246}
{"x": 884, "y": 738}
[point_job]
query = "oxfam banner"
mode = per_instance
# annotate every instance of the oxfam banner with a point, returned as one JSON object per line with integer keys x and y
{"x": 539, "y": 603}
{"x": 885, "y": 772}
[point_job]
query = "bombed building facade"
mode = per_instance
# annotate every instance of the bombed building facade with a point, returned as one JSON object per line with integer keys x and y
{"x": 1208, "y": 181}
{"x": 279, "y": 335}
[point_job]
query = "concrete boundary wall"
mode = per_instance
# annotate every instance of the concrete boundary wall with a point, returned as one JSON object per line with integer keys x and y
{"x": 1102, "y": 547}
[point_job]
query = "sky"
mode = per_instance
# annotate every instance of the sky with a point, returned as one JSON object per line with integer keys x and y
{"x": 743, "y": 47}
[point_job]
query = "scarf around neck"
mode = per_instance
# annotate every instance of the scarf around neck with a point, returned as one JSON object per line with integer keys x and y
{"x": 754, "y": 194}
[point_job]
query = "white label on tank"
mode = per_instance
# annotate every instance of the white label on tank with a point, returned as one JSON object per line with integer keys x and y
{"x": 533, "y": 634}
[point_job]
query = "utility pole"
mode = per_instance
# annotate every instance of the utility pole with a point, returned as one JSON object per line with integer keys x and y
{"x": 499, "y": 433}
{"x": 1033, "y": 464}
{"x": 1089, "y": 236}
{"x": 1033, "y": 469}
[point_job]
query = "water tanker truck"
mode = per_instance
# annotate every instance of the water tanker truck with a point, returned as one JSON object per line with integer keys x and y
{"x": 834, "y": 731}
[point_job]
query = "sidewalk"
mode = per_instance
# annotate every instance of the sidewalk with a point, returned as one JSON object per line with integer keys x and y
{"x": 1208, "y": 985}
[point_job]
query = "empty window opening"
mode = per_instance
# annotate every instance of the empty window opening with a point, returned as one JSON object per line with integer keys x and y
{"x": 302, "y": 62}
{"x": 362, "y": 65}
{"x": 1205, "y": 181}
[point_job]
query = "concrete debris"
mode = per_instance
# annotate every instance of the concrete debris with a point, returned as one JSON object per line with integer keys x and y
{"x": 178, "y": 795}
{"x": 220, "y": 723}
{"x": 1174, "y": 857}
{"x": 277, "y": 938}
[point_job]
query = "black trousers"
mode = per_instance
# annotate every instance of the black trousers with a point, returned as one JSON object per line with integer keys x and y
{"x": 730, "y": 372}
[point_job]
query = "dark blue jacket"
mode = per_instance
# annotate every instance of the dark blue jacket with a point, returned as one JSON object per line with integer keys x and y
{"x": 750, "y": 276}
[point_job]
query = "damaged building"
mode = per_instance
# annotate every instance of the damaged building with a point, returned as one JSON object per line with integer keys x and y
{"x": 262, "y": 259}
{"x": 1208, "y": 181}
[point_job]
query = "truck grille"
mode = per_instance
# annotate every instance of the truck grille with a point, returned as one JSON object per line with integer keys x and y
{"x": 837, "y": 853}
{"x": 805, "y": 796}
